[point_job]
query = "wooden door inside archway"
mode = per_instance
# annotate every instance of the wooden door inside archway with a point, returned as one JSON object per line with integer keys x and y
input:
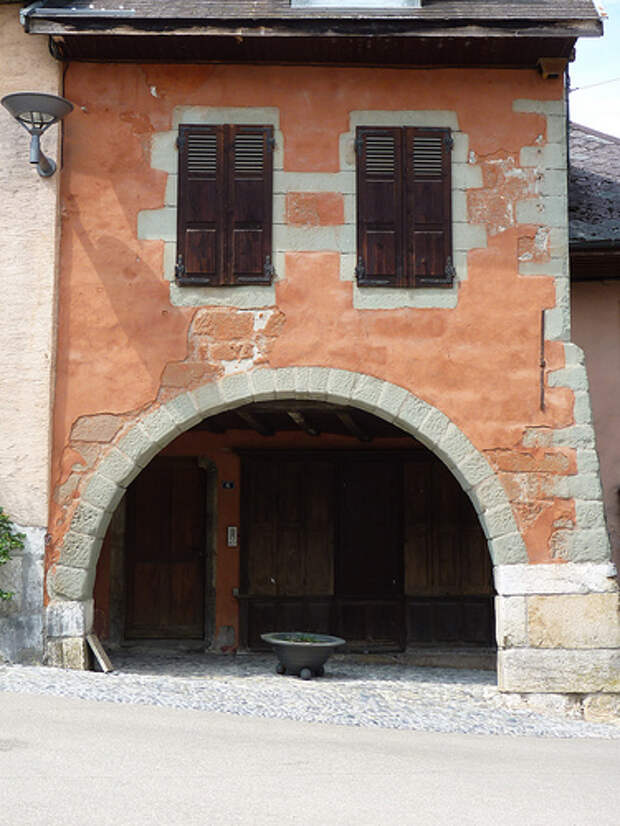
{"x": 382, "y": 548}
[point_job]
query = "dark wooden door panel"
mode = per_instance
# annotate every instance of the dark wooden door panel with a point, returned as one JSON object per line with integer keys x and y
{"x": 165, "y": 546}
{"x": 369, "y": 559}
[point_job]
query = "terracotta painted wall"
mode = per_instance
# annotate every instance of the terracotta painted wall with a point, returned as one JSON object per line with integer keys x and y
{"x": 596, "y": 328}
{"x": 123, "y": 347}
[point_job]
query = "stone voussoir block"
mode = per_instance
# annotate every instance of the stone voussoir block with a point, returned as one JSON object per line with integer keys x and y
{"x": 117, "y": 467}
{"x": 208, "y": 399}
{"x": 317, "y": 382}
{"x": 79, "y": 550}
{"x": 573, "y": 621}
{"x": 303, "y": 381}
{"x": 488, "y": 494}
{"x": 472, "y": 471}
{"x": 545, "y": 670}
{"x": 160, "y": 426}
{"x": 412, "y": 414}
{"x": 508, "y": 549}
{"x": 367, "y": 393}
{"x": 102, "y": 493}
{"x": 71, "y": 583}
{"x": 433, "y": 428}
{"x": 499, "y": 521}
{"x": 183, "y": 411}
{"x": 391, "y": 400}
{"x": 340, "y": 386}
{"x": 454, "y": 446}
{"x": 138, "y": 446}
{"x": 88, "y": 519}
{"x": 263, "y": 384}
{"x": 236, "y": 389}
{"x": 285, "y": 381}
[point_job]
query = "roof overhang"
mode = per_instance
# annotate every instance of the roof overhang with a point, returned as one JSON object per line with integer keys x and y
{"x": 467, "y": 33}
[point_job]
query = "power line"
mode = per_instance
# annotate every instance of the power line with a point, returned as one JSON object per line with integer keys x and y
{"x": 592, "y": 85}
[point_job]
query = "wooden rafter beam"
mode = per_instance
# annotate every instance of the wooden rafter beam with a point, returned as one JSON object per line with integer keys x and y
{"x": 353, "y": 427}
{"x": 301, "y": 421}
{"x": 255, "y": 422}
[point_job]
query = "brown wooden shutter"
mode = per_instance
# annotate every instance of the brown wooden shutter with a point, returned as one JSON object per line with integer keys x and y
{"x": 200, "y": 217}
{"x": 250, "y": 172}
{"x": 428, "y": 207}
{"x": 379, "y": 207}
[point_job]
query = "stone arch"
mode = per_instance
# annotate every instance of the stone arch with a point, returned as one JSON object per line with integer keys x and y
{"x": 74, "y": 575}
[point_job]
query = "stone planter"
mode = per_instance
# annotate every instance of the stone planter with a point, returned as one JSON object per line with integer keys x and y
{"x": 302, "y": 653}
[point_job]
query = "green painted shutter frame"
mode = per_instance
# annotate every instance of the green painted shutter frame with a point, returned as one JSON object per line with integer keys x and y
{"x": 224, "y": 205}
{"x": 404, "y": 196}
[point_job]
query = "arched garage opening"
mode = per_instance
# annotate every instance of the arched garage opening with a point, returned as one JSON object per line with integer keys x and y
{"x": 291, "y": 514}
{"x": 70, "y": 582}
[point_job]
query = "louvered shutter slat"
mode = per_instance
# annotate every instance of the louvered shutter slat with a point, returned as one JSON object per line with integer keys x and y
{"x": 250, "y": 199}
{"x": 428, "y": 206}
{"x": 379, "y": 207}
{"x": 200, "y": 236}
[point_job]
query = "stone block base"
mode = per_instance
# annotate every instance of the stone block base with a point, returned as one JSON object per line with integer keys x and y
{"x": 68, "y": 652}
{"x": 602, "y": 708}
{"x": 559, "y": 671}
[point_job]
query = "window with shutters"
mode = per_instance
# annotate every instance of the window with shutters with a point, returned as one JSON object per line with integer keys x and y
{"x": 404, "y": 223}
{"x": 224, "y": 205}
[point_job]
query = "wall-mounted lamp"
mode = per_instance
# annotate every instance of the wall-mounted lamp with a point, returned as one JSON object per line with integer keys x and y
{"x": 37, "y": 112}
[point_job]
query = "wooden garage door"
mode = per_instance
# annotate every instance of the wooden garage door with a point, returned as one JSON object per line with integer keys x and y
{"x": 383, "y": 549}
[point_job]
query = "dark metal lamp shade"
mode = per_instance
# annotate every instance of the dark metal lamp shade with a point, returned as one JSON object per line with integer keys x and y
{"x": 37, "y": 112}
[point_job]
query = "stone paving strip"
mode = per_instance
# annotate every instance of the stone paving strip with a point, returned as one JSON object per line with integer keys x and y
{"x": 352, "y": 693}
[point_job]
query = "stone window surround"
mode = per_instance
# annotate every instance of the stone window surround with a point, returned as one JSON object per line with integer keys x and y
{"x": 160, "y": 224}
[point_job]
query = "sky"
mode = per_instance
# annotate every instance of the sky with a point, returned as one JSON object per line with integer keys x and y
{"x": 598, "y": 60}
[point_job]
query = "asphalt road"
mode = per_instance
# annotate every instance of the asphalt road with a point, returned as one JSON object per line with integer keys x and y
{"x": 77, "y": 762}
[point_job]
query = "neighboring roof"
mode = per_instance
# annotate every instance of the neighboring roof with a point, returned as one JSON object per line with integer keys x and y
{"x": 593, "y": 188}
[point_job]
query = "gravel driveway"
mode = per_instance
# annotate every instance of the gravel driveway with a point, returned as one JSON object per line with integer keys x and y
{"x": 352, "y": 693}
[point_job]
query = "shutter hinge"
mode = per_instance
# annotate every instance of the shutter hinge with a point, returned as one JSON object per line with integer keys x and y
{"x": 180, "y": 141}
{"x": 179, "y": 270}
{"x": 449, "y": 141}
{"x": 271, "y": 142}
{"x": 269, "y": 270}
{"x": 450, "y": 271}
{"x": 360, "y": 270}
{"x": 357, "y": 143}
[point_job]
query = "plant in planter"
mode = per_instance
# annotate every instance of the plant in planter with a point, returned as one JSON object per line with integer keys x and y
{"x": 301, "y": 653}
{"x": 10, "y": 540}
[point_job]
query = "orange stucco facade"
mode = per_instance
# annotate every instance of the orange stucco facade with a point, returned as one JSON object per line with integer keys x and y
{"x": 124, "y": 348}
